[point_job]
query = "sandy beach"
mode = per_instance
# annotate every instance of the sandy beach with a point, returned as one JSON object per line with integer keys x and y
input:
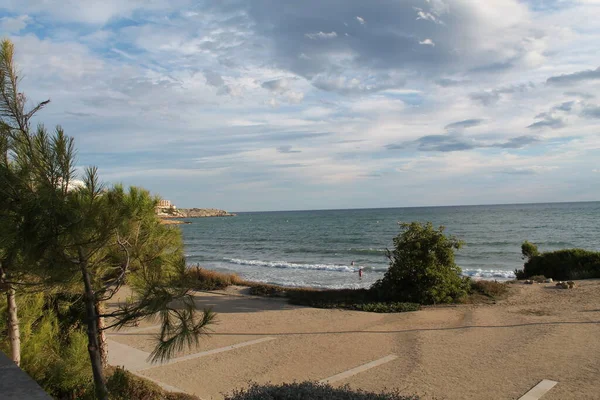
{"x": 497, "y": 351}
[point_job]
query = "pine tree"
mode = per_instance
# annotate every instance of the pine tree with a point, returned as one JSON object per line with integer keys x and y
{"x": 90, "y": 239}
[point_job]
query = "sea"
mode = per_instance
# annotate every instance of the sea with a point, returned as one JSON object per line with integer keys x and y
{"x": 326, "y": 248}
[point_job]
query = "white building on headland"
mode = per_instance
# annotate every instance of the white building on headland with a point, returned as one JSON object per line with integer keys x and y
{"x": 165, "y": 204}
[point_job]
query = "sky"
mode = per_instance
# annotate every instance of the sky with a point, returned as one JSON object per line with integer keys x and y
{"x": 317, "y": 104}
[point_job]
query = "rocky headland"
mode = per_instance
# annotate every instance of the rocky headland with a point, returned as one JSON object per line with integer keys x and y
{"x": 192, "y": 213}
{"x": 203, "y": 212}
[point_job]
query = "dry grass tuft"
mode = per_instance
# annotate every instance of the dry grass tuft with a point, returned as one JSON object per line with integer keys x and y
{"x": 490, "y": 289}
{"x": 205, "y": 279}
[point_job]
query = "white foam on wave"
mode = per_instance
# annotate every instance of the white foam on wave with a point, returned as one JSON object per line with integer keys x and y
{"x": 489, "y": 273}
{"x": 315, "y": 285}
{"x": 290, "y": 265}
{"x": 285, "y": 264}
{"x": 367, "y": 250}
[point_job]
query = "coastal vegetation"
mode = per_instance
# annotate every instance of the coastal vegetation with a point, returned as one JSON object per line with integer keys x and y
{"x": 123, "y": 385}
{"x": 205, "y": 279}
{"x": 311, "y": 390}
{"x": 422, "y": 268}
{"x": 561, "y": 265}
{"x": 75, "y": 244}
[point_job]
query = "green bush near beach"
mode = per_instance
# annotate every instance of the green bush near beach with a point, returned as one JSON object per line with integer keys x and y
{"x": 422, "y": 268}
{"x": 568, "y": 264}
{"x": 310, "y": 391}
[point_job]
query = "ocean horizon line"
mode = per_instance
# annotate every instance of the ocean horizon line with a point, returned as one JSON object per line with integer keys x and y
{"x": 417, "y": 207}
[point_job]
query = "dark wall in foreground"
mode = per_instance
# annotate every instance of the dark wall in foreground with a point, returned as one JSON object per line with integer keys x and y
{"x": 15, "y": 384}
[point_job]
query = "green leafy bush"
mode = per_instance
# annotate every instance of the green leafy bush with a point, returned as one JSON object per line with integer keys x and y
{"x": 310, "y": 391}
{"x": 422, "y": 268}
{"x": 562, "y": 265}
{"x": 123, "y": 385}
{"x": 529, "y": 250}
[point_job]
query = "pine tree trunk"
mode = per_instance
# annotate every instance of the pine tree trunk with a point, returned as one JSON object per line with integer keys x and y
{"x": 92, "y": 333}
{"x": 13, "y": 326}
{"x": 101, "y": 335}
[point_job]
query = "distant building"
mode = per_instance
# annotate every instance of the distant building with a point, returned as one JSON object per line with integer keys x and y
{"x": 165, "y": 204}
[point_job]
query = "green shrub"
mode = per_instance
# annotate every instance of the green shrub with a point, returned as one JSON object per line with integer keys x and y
{"x": 310, "y": 391}
{"x": 123, "y": 385}
{"x": 491, "y": 289}
{"x": 529, "y": 250}
{"x": 562, "y": 265}
{"x": 422, "y": 268}
{"x": 538, "y": 278}
{"x": 54, "y": 355}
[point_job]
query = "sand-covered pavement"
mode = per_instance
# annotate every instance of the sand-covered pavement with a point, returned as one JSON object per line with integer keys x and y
{"x": 478, "y": 352}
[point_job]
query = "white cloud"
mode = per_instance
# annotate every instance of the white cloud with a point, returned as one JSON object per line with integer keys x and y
{"x": 321, "y": 35}
{"x": 89, "y": 12}
{"x": 123, "y": 53}
{"x": 427, "y": 16}
{"x": 294, "y": 97}
{"x": 13, "y": 25}
{"x": 230, "y": 93}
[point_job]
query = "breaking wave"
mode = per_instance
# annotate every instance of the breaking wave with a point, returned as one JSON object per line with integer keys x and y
{"x": 488, "y": 273}
{"x": 290, "y": 265}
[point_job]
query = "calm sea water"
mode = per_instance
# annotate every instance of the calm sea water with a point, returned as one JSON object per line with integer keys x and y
{"x": 316, "y": 248}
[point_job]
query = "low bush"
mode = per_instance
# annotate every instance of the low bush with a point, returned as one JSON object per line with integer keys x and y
{"x": 330, "y": 298}
{"x": 393, "y": 307}
{"x": 491, "y": 289}
{"x": 349, "y": 299}
{"x": 123, "y": 385}
{"x": 266, "y": 290}
{"x": 205, "y": 279}
{"x": 560, "y": 265}
{"x": 538, "y": 278}
{"x": 310, "y": 391}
